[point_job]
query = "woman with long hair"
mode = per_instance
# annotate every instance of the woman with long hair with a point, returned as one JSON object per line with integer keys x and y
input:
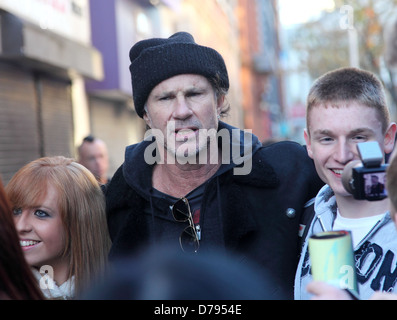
{"x": 59, "y": 213}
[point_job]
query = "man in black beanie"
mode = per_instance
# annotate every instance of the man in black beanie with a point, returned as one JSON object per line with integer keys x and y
{"x": 198, "y": 184}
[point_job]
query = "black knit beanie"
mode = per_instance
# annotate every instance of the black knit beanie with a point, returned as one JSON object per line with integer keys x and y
{"x": 155, "y": 60}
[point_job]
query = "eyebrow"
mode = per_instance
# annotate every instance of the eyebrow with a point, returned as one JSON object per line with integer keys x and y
{"x": 353, "y": 132}
{"x": 362, "y": 130}
{"x": 45, "y": 208}
{"x": 185, "y": 91}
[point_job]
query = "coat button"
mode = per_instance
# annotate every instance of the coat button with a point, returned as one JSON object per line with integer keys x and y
{"x": 291, "y": 213}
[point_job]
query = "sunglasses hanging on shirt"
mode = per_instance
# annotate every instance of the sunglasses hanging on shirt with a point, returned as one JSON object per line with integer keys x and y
{"x": 188, "y": 239}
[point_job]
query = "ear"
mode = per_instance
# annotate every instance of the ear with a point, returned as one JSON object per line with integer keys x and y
{"x": 390, "y": 137}
{"x": 306, "y": 135}
{"x": 220, "y": 103}
{"x": 147, "y": 119}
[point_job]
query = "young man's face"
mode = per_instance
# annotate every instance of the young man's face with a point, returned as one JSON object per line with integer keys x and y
{"x": 333, "y": 135}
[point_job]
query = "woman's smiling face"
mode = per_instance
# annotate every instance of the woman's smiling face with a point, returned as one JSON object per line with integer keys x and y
{"x": 41, "y": 232}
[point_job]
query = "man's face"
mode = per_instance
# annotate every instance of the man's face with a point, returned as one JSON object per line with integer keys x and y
{"x": 374, "y": 180}
{"x": 333, "y": 135}
{"x": 94, "y": 156}
{"x": 179, "y": 107}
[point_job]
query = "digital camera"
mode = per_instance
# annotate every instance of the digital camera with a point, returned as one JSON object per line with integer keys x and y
{"x": 366, "y": 179}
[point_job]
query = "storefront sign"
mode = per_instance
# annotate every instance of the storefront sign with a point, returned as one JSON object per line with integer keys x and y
{"x": 69, "y": 18}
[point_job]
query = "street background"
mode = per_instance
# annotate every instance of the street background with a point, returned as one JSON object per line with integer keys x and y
{"x": 64, "y": 64}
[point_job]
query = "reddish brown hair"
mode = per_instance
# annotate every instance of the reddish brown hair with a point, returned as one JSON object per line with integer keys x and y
{"x": 16, "y": 279}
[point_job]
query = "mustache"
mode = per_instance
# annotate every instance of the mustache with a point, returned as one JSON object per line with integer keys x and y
{"x": 175, "y": 126}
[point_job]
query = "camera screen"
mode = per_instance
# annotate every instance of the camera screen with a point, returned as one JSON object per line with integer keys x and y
{"x": 375, "y": 185}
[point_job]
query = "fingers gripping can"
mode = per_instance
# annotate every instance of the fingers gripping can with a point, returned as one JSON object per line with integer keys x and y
{"x": 332, "y": 259}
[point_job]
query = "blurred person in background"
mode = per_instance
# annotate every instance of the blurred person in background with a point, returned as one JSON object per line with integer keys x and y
{"x": 59, "y": 214}
{"x": 163, "y": 273}
{"x": 16, "y": 278}
{"x": 93, "y": 155}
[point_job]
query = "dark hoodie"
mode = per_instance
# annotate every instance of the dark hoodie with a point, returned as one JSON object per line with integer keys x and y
{"x": 245, "y": 213}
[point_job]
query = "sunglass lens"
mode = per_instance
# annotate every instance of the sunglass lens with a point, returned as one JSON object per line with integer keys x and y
{"x": 189, "y": 241}
{"x": 180, "y": 211}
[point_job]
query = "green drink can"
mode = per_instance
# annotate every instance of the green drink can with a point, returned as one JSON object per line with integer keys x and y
{"x": 332, "y": 259}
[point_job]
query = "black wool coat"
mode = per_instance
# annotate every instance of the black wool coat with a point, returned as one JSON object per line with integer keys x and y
{"x": 260, "y": 213}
